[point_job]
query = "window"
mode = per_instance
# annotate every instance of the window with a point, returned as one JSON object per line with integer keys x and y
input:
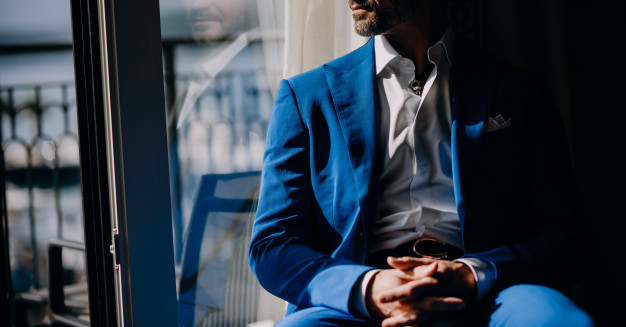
{"x": 41, "y": 192}
{"x": 223, "y": 61}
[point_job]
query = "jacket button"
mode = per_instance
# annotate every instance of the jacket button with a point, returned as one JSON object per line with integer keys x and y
{"x": 356, "y": 149}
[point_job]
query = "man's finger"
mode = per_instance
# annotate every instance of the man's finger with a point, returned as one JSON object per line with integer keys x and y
{"x": 408, "y": 262}
{"x": 410, "y": 290}
{"x": 414, "y": 270}
{"x": 407, "y": 319}
{"x": 424, "y": 271}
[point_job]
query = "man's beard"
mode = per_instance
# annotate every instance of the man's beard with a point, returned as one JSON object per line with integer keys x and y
{"x": 384, "y": 20}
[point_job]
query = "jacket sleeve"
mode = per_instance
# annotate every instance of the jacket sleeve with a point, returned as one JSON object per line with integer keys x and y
{"x": 283, "y": 251}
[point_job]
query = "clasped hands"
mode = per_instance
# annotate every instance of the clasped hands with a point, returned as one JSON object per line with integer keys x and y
{"x": 414, "y": 288}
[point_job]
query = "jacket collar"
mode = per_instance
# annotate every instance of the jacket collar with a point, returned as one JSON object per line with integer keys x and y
{"x": 385, "y": 53}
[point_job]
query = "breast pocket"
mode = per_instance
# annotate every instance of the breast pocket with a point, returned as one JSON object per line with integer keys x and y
{"x": 498, "y": 164}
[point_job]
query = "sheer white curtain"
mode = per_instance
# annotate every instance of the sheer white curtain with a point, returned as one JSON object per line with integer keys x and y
{"x": 271, "y": 15}
{"x": 317, "y": 31}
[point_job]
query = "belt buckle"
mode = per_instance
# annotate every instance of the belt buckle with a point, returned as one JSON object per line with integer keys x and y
{"x": 421, "y": 245}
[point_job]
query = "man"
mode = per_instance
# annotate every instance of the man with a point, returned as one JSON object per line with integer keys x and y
{"x": 216, "y": 123}
{"x": 216, "y": 20}
{"x": 416, "y": 181}
{"x": 216, "y": 130}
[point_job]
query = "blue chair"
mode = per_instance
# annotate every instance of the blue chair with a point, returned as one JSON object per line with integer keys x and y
{"x": 216, "y": 282}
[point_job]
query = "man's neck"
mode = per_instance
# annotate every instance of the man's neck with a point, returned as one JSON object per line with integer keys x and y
{"x": 413, "y": 38}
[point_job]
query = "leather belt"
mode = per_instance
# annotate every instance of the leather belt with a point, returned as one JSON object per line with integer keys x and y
{"x": 421, "y": 248}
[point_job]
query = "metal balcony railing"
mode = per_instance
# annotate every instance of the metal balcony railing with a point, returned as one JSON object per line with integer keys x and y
{"x": 40, "y": 155}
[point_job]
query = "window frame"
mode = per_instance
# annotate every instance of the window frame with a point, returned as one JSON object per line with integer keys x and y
{"x": 124, "y": 162}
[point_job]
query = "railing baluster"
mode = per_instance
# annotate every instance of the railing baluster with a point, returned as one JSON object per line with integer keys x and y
{"x": 57, "y": 191}
{"x": 31, "y": 217}
{"x": 31, "y": 182}
{"x": 65, "y": 105}
{"x": 12, "y": 113}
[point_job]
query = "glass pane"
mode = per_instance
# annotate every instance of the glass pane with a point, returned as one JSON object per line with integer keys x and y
{"x": 223, "y": 61}
{"x": 40, "y": 161}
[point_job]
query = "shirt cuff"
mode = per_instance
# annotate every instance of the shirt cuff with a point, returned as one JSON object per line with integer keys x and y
{"x": 484, "y": 272}
{"x": 357, "y": 298}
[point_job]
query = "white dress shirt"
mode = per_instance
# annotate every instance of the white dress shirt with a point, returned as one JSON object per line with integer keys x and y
{"x": 417, "y": 193}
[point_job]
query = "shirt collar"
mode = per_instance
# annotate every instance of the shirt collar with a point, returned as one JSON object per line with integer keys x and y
{"x": 385, "y": 53}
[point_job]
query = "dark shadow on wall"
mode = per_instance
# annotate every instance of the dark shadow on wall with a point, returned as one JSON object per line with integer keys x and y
{"x": 576, "y": 46}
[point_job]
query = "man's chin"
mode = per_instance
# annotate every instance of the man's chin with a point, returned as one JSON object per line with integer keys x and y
{"x": 366, "y": 28}
{"x": 208, "y": 32}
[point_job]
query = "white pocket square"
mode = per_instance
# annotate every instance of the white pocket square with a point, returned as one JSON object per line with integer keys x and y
{"x": 494, "y": 124}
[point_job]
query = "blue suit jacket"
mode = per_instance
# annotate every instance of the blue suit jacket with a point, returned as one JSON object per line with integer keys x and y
{"x": 514, "y": 187}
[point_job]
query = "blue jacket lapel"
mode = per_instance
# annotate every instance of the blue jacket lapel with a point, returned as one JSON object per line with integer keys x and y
{"x": 352, "y": 84}
{"x": 473, "y": 81}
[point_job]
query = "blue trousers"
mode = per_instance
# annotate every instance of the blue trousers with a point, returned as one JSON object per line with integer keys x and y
{"x": 520, "y": 305}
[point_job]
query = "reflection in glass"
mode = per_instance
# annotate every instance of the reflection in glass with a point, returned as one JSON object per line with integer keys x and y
{"x": 222, "y": 59}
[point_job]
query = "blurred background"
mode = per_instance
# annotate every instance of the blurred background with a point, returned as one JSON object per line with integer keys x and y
{"x": 41, "y": 181}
